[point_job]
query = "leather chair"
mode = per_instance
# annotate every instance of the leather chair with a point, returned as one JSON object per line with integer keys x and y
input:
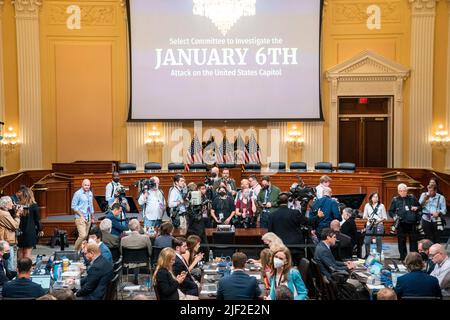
{"x": 252, "y": 167}
{"x": 127, "y": 167}
{"x": 346, "y": 167}
{"x": 298, "y": 166}
{"x": 226, "y": 165}
{"x": 278, "y": 166}
{"x": 323, "y": 167}
{"x": 197, "y": 167}
{"x": 175, "y": 166}
{"x": 152, "y": 167}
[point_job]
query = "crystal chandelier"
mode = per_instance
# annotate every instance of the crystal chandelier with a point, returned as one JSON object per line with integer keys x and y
{"x": 224, "y": 13}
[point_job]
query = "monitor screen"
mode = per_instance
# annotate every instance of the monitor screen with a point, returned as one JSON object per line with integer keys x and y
{"x": 43, "y": 280}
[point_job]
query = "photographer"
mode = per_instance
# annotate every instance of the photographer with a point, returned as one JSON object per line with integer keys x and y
{"x": 375, "y": 213}
{"x": 120, "y": 198}
{"x": 214, "y": 178}
{"x": 267, "y": 200}
{"x": 30, "y": 225}
{"x": 196, "y": 209}
{"x": 405, "y": 209}
{"x": 245, "y": 208}
{"x": 206, "y": 205}
{"x": 300, "y": 196}
{"x": 433, "y": 210}
{"x": 223, "y": 209}
{"x": 229, "y": 182}
{"x": 152, "y": 202}
{"x": 9, "y": 226}
{"x": 291, "y": 226}
{"x": 111, "y": 188}
{"x": 177, "y": 202}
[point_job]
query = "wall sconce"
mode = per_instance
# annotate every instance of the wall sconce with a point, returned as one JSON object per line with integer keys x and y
{"x": 295, "y": 138}
{"x": 440, "y": 139}
{"x": 9, "y": 141}
{"x": 154, "y": 138}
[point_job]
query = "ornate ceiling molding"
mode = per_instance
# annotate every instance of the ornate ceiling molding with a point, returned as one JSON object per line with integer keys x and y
{"x": 423, "y": 6}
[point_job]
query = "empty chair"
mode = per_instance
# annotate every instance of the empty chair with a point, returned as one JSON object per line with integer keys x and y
{"x": 135, "y": 258}
{"x": 197, "y": 167}
{"x": 323, "y": 167}
{"x": 175, "y": 166}
{"x": 298, "y": 166}
{"x": 223, "y": 241}
{"x": 127, "y": 167}
{"x": 346, "y": 167}
{"x": 226, "y": 165}
{"x": 111, "y": 289}
{"x": 115, "y": 252}
{"x": 152, "y": 166}
{"x": 305, "y": 271}
{"x": 252, "y": 167}
{"x": 279, "y": 166}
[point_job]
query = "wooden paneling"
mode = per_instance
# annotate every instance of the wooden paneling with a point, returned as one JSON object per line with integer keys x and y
{"x": 81, "y": 167}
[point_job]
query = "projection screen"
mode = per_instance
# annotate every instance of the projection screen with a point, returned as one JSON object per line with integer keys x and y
{"x": 224, "y": 59}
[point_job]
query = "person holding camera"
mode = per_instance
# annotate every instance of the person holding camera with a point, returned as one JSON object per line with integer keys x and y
{"x": 405, "y": 209}
{"x": 206, "y": 204}
{"x": 112, "y": 187}
{"x": 433, "y": 209}
{"x": 229, "y": 182}
{"x": 30, "y": 225}
{"x": 9, "y": 224}
{"x": 223, "y": 208}
{"x": 177, "y": 202}
{"x": 267, "y": 201}
{"x": 153, "y": 203}
{"x": 375, "y": 213}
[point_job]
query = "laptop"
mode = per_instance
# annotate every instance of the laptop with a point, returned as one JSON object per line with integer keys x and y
{"x": 43, "y": 280}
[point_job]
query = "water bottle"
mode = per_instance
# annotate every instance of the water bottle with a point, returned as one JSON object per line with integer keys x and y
{"x": 232, "y": 228}
{"x": 382, "y": 256}
{"x": 148, "y": 283}
{"x": 211, "y": 258}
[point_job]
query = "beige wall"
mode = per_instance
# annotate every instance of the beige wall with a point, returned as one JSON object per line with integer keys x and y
{"x": 84, "y": 74}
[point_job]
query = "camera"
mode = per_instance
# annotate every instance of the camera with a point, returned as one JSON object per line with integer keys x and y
{"x": 120, "y": 191}
{"x": 145, "y": 184}
{"x": 439, "y": 224}
{"x": 303, "y": 194}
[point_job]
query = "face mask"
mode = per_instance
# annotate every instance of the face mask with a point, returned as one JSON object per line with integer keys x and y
{"x": 265, "y": 187}
{"x": 222, "y": 193}
{"x": 6, "y": 255}
{"x": 116, "y": 180}
{"x": 92, "y": 241}
{"x": 246, "y": 194}
{"x": 277, "y": 263}
{"x": 214, "y": 175}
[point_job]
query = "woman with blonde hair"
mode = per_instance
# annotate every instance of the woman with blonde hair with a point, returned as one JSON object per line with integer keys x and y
{"x": 167, "y": 285}
{"x": 284, "y": 274}
{"x": 30, "y": 225}
{"x": 272, "y": 240}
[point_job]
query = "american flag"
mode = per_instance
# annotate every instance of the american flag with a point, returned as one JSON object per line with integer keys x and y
{"x": 228, "y": 151}
{"x": 252, "y": 151}
{"x": 219, "y": 152}
{"x": 239, "y": 150}
{"x": 194, "y": 153}
{"x": 209, "y": 151}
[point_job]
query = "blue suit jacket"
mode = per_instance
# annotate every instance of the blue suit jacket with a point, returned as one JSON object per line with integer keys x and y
{"x": 330, "y": 210}
{"x": 22, "y": 288}
{"x": 117, "y": 227}
{"x": 238, "y": 286}
{"x": 326, "y": 260}
{"x": 93, "y": 286}
{"x": 106, "y": 253}
{"x": 417, "y": 284}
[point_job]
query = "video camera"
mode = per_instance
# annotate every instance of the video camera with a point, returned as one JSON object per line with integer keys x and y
{"x": 145, "y": 184}
{"x": 303, "y": 194}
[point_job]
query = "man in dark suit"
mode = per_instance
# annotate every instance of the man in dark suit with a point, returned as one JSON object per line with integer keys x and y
{"x": 343, "y": 250}
{"x": 286, "y": 224}
{"x": 5, "y": 274}
{"x": 238, "y": 285}
{"x": 118, "y": 226}
{"x": 23, "y": 287}
{"x": 100, "y": 272}
{"x": 324, "y": 256}
{"x": 417, "y": 283}
{"x": 424, "y": 246}
{"x": 189, "y": 286}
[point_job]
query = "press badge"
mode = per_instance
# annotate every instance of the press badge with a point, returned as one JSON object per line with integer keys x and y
{"x": 220, "y": 216}
{"x": 406, "y": 208}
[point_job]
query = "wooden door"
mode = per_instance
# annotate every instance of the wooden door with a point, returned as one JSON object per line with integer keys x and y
{"x": 375, "y": 142}
{"x": 349, "y": 140}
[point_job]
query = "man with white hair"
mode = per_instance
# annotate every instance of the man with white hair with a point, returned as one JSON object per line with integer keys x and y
{"x": 135, "y": 240}
{"x": 110, "y": 240}
{"x": 8, "y": 228}
{"x": 439, "y": 256}
{"x": 405, "y": 209}
{"x": 83, "y": 207}
{"x": 153, "y": 204}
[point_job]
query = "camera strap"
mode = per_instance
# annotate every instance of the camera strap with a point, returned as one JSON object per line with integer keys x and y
{"x": 374, "y": 211}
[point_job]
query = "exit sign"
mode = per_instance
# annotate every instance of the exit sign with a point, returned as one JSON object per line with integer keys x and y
{"x": 363, "y": 100}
